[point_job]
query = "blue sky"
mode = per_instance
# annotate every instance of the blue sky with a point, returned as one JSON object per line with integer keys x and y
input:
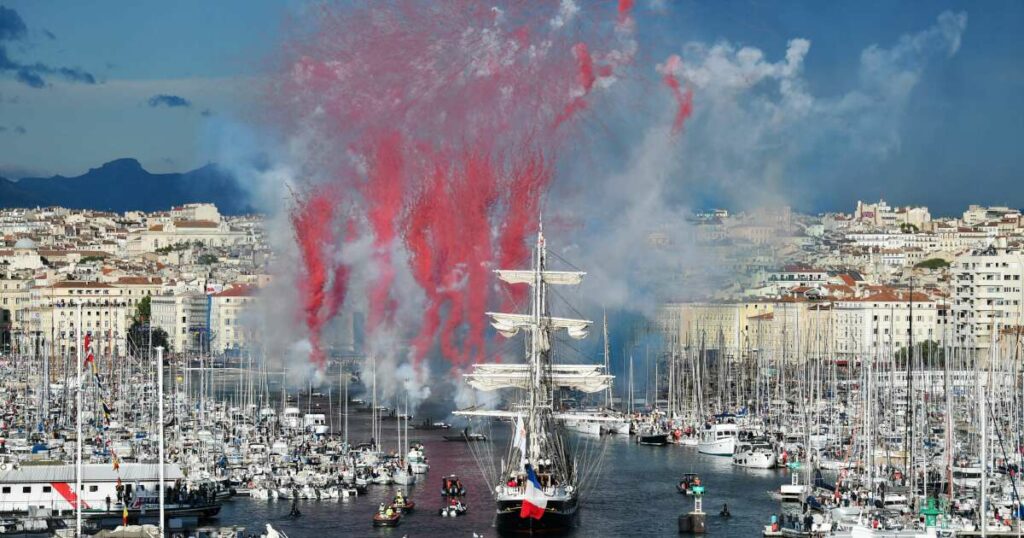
{"x": 168, "y": 75}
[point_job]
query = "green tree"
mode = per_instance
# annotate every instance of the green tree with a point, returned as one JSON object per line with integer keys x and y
{"x": 928, "y": 353}
{"x": 139, "y": 336}
{"x": 207, "y": 259}
{"x": 932, "y": 263}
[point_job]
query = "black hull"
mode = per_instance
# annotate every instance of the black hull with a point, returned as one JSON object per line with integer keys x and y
{"x": 464, "y": 439}
{"x": 559, "y": 518}
{"x": 654, "y": 440}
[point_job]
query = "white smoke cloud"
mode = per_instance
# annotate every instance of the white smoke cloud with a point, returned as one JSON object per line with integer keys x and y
{"x": 754, "y": 118}
{"x": 754, "y": 121}
{"x": 567, "y": 10}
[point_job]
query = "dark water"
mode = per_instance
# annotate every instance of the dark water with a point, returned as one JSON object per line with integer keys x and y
{"x": 634, "y": 496}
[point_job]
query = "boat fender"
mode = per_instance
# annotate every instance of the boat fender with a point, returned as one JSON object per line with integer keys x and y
{"x": 4, "y": 466}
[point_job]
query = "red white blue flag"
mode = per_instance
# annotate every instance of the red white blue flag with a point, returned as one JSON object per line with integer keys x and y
{"x": 535, "y": 501}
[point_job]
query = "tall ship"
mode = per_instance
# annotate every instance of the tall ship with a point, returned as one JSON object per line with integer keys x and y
{"x": 537, "y": 486}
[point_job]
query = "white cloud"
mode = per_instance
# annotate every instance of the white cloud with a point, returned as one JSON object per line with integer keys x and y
{"x": 754, "y": 116}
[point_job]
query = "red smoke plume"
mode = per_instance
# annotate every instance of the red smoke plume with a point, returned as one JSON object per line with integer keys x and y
{"x": 684, "y": 100}
{"x": 324, "y": 280}
{"x": 443, "y": 120}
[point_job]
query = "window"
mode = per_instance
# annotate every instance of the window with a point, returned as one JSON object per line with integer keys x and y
{"x": 47, "y": 489}
{"x": 93, "y": 489}
{"x": 26, "y": 489}
{"x": 6, "y": 489}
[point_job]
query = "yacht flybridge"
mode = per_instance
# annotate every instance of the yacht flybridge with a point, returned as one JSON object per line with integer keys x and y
{"x": 538, "y": 485}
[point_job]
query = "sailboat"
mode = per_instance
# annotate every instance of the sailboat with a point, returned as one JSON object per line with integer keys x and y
{"x": 538, "y": 488}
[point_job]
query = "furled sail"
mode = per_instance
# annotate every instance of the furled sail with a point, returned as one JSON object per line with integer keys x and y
{"x": 582, "y": 377}
{"x": 510, "y": 324}
{"x": 526, "y": 276}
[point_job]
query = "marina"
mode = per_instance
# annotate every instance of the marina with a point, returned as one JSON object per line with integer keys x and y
{"x": 495, "y": 268}
{"x": 795, "y": 443}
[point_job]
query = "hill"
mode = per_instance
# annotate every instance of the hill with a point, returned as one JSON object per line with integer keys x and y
{"x": 123, "y": 185}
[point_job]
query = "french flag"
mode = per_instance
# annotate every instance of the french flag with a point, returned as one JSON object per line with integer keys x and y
{"x": 535, "y": 502}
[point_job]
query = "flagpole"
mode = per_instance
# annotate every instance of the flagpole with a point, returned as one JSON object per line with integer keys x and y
{"x": 78, "y": 429}
{"x": 160, "y": 416}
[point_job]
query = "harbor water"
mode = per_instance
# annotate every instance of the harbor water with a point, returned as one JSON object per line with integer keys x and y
{"x": 635, "y": 495}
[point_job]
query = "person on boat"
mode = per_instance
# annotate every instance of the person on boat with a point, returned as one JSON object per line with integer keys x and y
{"x": 458, "y": 487}
{"x": 775, "y": 523}
{"x": 389, "y": 513}
{"x": 696, "y": 481}
{"x": 381, "y": 508}
{"x": 725, "y": 511}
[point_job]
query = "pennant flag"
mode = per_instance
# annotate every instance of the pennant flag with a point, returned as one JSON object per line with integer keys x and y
{"x": 124, "y": 515}
{"x": 535, "y": 502}
{"x": 519, "y": 439}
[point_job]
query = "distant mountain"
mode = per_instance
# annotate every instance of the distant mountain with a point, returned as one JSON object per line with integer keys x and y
{"x": 123, "y": 185}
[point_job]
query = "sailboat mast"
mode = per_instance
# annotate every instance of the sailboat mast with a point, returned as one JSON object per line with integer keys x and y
{"x": 344, "y": 382}
{"x": 607, "y": 366}
{"x": 78, "y": 428}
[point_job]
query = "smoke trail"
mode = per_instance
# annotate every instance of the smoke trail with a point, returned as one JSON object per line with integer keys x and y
{"x": 670, "y": 71}
{"x": 449, "y": 115}
{"x": 323, "y": 280}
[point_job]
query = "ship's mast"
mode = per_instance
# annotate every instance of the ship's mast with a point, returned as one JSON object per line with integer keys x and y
{"x": 533, "y": 428}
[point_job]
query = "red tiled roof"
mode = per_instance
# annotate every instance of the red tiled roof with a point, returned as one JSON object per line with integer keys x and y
{"x": 195, "y": 224}
{"x": 135, "y": 280}
{"x": 892, "y": 296}
{"x": 80, "y": 284}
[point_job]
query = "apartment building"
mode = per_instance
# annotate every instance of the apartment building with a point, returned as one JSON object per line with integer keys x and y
{"x": 59, "y": 310}
{"x": 987, "y": 295}
{"x": 184, "y": 317}
{"x": 231, "y": 327}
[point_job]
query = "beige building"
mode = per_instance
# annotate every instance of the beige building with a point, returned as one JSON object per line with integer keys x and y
{"x": 731, "y": 327}
{"x": 879, "y": 324}
{"x": 207, "y": 212}
{"x": 178, "y": 232}
{"x": 232, "y": 318}
{"x": 105, "y": 313}
{"x": 14, "y": 301}
{"x": 881, "y": 215}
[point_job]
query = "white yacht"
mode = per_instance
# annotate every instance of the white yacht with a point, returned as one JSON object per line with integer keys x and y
{"x": 757, "y": 453}
{"x": 718, "y": 440}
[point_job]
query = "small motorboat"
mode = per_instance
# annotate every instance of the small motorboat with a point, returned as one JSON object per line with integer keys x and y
{"x": 466, "y": 437}
{"x": 381, "y": 519}
{"x": 453, "y": 510}
{"x": 653, "y": 438}
{"x": 451, "y": 486}
{"x": 403, "y": 505}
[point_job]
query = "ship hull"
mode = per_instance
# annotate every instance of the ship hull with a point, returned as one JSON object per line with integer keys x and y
{"x": 560, "y": 517}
